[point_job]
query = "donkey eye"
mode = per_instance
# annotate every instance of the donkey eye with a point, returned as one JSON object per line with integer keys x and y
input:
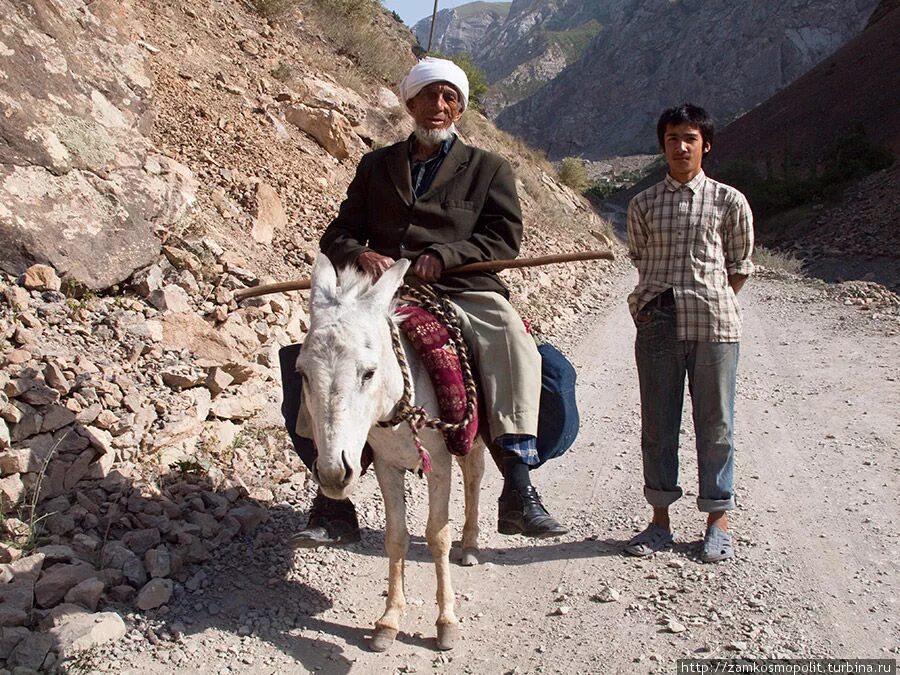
{"x": 368, "y": 375}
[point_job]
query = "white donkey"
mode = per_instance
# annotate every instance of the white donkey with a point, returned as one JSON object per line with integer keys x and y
{"x": 352, "y": 380}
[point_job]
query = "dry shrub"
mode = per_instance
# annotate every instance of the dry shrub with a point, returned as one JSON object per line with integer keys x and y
{"x": 351, "y": 25}
{"x": 777, "y": 260}
{"x": 573, "y": 173}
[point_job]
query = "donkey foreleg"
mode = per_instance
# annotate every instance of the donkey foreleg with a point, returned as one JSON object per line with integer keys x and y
{"x": 437, "y": 533}
{"x": 472, "y": 466}
{"x": 396, "y": 543}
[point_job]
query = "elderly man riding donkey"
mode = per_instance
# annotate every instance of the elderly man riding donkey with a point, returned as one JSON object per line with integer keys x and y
{"x": 421, "y": 206}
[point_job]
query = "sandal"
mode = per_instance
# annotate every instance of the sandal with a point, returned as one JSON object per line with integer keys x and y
{"x": 654, "y": 538}
{"x": 717, "y": 545}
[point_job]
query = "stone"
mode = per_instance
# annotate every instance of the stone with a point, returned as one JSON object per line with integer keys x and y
{"x": 55, "y": 582}
{"x": 54, "y": 553}
{"x": 240, "y": 406}
{"x": 189, "y": 331}
{"x": 606, "y": 594}
{"x": 31, "y": 651}
{"x": 98, "y": 438}
{"x": 12, "y": 491}
{"x": 674, "y": 626}
{"x": 39, "y": 394}
{"x": 28, "y": 426}
{"x": 141, "y": 541}
{"x": 4, "y": 433}
{"x": 9, "y": 638}
{"x": 177, "y": 378}
{"x": 134, "y": 573}
{"x": 181, "y": 259}
{"x": 216, "y": 381}
{"x": 41, "y": 278}
{"x": 158, "y": 562}
{"x": 9, "y": 554}
{"x": 56, "y": 378}
{"x": 106, "y": 419}
{"x": 77, "y": 632}
{"x": 249, "y": 516}
{"x": 17, "y": 298}
{"x": 268, "y": 214}
{"x": 155, "y": 593}
{"x": 114, "y": 554}
{"x": 170, "y": 299}
{"x": 329, "y": 128}
{"x": 56, "y": 417}
{"x": 86, "y": 593}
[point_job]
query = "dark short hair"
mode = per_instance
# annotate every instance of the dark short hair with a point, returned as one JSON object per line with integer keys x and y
{"x": 686, "y": 113}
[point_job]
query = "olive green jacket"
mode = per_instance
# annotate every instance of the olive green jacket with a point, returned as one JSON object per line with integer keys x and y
{"x": 470, "y": 213}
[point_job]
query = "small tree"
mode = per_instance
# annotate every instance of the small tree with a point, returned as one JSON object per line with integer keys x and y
{"x": 573, "y": 173}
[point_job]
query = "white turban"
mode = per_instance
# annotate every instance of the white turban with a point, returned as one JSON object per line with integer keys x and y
{"x": 430, "y": 70}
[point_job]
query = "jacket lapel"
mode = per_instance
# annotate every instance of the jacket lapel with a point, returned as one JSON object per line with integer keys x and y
{"x": 398, "y": 170}
{"x": 455, "y": 162}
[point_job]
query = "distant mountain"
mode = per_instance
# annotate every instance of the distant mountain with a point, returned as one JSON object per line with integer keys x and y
{"x": 463, "y": 28}
{"x": 520, "y": 45}
{"x": 725, "y": 55}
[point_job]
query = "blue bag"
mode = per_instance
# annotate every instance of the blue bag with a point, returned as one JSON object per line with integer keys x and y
{"x": 558, "y": 420}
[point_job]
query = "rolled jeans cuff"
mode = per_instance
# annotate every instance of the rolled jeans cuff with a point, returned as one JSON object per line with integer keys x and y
{"x": 662, "y": 498}
{"x": 715, "y": 505}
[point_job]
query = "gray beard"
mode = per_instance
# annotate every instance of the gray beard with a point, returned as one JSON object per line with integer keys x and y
{"x": 433, "y": 137}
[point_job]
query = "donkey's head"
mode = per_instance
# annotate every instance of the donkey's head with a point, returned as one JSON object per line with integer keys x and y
{"x": 351, "y": 378}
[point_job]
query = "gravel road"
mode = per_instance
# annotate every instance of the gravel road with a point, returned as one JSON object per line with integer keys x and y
{"x": 817, "y": 532}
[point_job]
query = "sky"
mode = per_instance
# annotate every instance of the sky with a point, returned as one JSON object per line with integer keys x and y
{"x": 413, "y": 10}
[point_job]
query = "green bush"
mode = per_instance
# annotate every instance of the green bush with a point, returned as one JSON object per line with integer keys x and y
{"x": 573, "y": 173}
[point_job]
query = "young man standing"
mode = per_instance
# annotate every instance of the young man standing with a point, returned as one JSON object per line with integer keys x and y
{"x": 691, "y": 239}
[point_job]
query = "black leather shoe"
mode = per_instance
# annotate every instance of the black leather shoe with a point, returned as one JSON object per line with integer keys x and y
{"x": 332, "y": 522}
{"x": 521, "y": 512}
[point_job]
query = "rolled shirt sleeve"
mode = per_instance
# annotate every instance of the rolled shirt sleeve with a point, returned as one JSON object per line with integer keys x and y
{"x": 738, "y": 236}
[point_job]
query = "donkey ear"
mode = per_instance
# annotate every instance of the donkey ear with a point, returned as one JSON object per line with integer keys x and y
{"x": 324, "y": 282}
{"x": 386, "y": 287}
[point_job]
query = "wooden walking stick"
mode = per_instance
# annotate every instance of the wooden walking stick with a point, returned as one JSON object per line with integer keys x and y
{"x": 487, "y": 266}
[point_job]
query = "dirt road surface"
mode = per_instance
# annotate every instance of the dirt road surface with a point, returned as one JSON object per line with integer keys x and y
{"x": 818, "y": 542}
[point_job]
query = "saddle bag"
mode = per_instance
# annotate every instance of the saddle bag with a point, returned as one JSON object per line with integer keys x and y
{"x": 558, "y": 420}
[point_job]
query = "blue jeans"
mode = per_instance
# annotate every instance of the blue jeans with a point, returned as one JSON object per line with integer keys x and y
{"x": 711, "y": 368}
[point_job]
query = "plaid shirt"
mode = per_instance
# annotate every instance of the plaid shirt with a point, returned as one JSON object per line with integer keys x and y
{"x": 691, "y": 237}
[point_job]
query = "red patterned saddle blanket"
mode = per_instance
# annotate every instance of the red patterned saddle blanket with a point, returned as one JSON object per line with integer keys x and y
{"x": 431, "y": 341}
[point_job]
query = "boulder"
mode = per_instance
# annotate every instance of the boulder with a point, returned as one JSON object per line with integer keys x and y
{"x": 79, "y": 631}
{"x": 329, "y": 128}
{"x": 74, "y": 190}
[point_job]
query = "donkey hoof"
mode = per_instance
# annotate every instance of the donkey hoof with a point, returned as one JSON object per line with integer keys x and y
{"x": 447, "y": 633}
{"x": 469, "y": 557}
{"x": 382, "y": 639}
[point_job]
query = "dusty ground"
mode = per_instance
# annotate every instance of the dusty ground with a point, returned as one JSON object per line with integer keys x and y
{"x": 817, "y": 530}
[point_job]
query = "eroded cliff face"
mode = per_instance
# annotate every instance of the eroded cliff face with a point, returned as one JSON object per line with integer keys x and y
{"x": 461, "y": 29}
{"x": 81, "y": 187}
{"x": 656, "y": 53}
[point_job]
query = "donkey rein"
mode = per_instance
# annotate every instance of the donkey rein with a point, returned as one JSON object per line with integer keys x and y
{"x": 414, "y": 415}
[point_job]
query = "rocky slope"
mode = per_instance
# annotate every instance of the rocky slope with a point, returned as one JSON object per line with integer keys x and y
{"x": 138, "y": 402}
{"x": 734, "y": 57}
